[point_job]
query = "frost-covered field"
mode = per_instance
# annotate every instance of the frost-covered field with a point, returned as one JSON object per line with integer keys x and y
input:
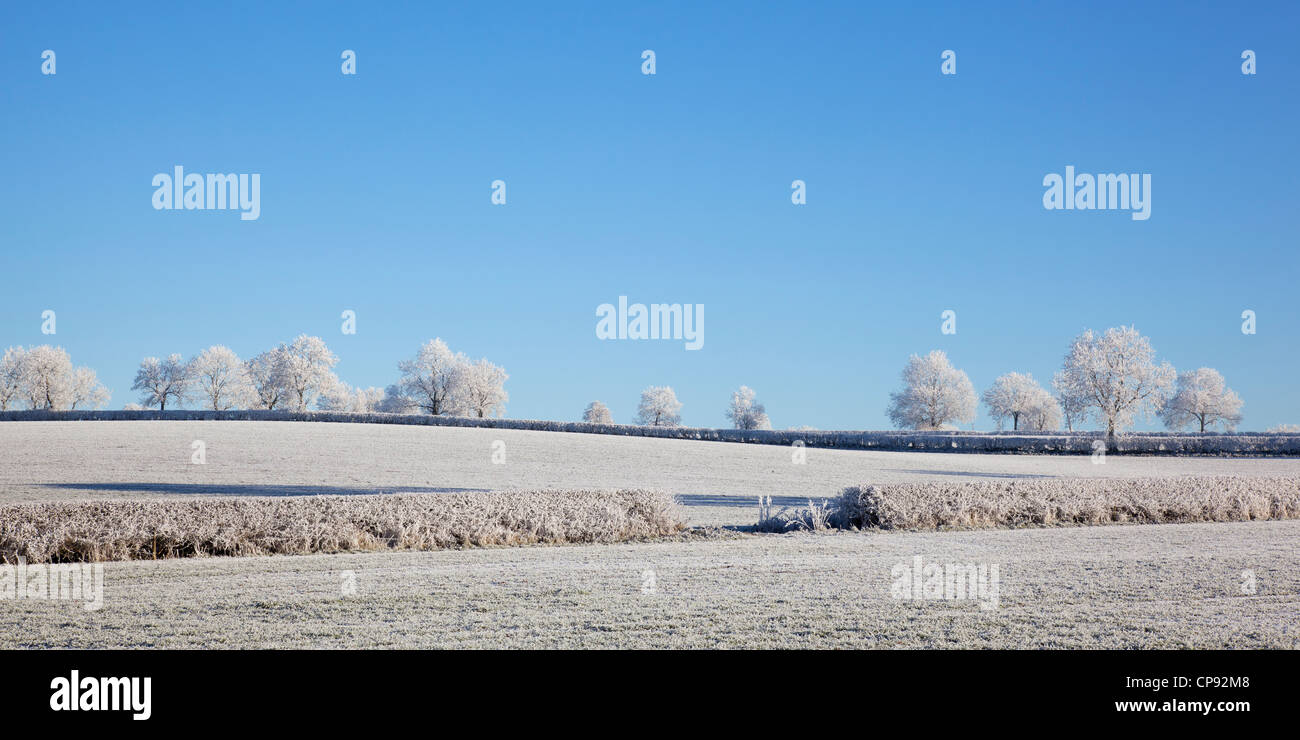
{"x": 1131, "y": 586}
{"x": 719, "y": 482}
{"x": 1157, "y": 586}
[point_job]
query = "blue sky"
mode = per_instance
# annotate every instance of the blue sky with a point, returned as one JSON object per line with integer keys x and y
{"x": 924, "y": 190}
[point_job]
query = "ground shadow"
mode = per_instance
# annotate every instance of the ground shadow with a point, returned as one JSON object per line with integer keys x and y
{"x": 705, "y": 499}
{"x": 969, "y": 474}
{"x": 238, "y": 489}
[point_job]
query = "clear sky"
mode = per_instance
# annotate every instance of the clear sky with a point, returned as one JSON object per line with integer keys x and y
{"x": 924, "y": 191}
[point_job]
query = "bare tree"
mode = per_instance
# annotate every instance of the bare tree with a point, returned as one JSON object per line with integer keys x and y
{"x": 934, "y": 394}
{"x": 160, "y": 380}
{"x": 1202, "y": 397}
{"x": 659, "y": 407}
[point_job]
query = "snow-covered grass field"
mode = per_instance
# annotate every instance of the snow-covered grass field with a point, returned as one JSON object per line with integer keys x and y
{"x": 1123, "y": 586}
{"x": 719, "y": 482}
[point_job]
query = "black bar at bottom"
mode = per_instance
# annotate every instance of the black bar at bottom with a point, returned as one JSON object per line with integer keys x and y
{"x": 310, "y": 689}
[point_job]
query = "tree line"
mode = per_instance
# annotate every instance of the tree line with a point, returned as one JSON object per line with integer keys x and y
{"x": 296, "y": 376}
{"x": 1110, "y": 378}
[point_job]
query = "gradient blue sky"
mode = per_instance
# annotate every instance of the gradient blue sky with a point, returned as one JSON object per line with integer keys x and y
{"x": 924, "y": 191}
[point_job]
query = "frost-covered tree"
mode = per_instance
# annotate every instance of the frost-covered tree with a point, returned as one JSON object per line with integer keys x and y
{"x": 1284, "y": 429}
{"x": 308, "y": 370}
{"x": 1043, "y": 413}
{"x": 1071, "y": 402}
{"x": 746, "y": 413}
{"x": 480, "y": 390}
{"x": 368, "y": 400}
{"x": 336, "y": 396}
{"x": 340, "y": 396}
{"x": 934, "y": 394}
{"x": 1202, "y": 397}
{"x": 659, "y": 407}
{"x": 1115, "y": 374}
{"x": 597, "y": 413}
{"x": 163, "y": 380}
{"x": 430, "y": 378}
{"x": 268, "y": 375}
{"x": 1011, "y": 397}
{"x": 395, "y": 401}
{"x": 11, "y": 377}
{"x": 47, "y": 378}
{"x": 87, "y": 391}
{"x": 221, "y": 380}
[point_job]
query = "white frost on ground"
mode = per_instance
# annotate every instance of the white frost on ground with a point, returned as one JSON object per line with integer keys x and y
{"x": 1150, "y": 586}
{"x": 719, "y": 482}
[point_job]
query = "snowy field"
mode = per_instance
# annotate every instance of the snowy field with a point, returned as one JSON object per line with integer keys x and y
{"x": 1119, "y": 586}
{"x": 719, "y": 482}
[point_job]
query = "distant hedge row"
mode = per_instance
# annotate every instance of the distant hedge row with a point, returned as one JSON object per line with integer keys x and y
{"x": 1145, "y": 443}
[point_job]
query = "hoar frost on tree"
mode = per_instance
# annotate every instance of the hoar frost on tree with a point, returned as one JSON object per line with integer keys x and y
{"x": 308, "y": 367}
{"x": 87, "y": 392}
{"x": 221, "y": 379}
{"x": 43, "y": 378}
{"x": 429, "y": 379}
{"x": 746, "y": 413}
{"x": 11, "y": 377}
{"x": 47, "y": 377}
{"x": 1115, "y": 376}
{"x": 395, "y": 401}
{"x": 445, "y": 383}
{"x": 659, "y": 407}
{"x": 267, "y": 373}
{"x": 1073, "y": 407}
{"x": 480, "y": 389}
{"x": 340, "y": 396}
{"x": 1202, "y": 398}
{"x": 1043, "y": 415}
{"x": 1029, "y": 406}
{"x": 597, "y": 413}
{"x": 934, "y": 394}
{"x": 161, "y": 380}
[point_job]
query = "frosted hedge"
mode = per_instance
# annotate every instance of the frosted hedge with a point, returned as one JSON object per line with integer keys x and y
{"x": 1056, "y": 502}
{"x": 1049, "y": 502}
{"x": 1146, "y": 443}
{"x": 298, "y": 525}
